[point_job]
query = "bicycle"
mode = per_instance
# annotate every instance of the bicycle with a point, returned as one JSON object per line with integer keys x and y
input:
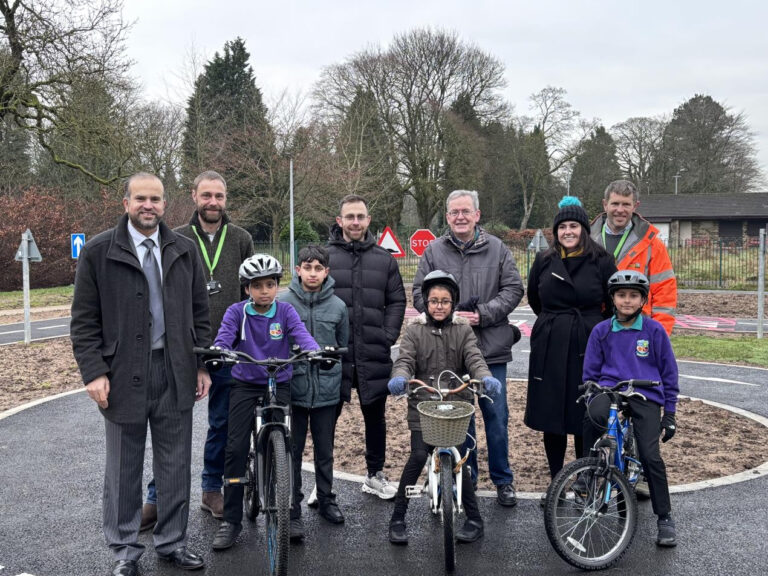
{"x": 444, "y": 426}
{"x": 269, "y": 466}
{"x": 591, "y": 507}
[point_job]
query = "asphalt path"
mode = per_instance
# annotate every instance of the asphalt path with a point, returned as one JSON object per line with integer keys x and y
{"x": 52, "y": 474}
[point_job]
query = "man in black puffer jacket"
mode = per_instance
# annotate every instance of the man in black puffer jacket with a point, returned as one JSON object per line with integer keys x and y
{"x": 368, "y": 281}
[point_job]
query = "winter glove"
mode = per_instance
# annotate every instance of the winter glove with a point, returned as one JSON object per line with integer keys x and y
{"x": 468, "y": 305}
{"x": 397, "y": 385}
{"x": 492, "y": 386}
{"x": 668, "y": 426}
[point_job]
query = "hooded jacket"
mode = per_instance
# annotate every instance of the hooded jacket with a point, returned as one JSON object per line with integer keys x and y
{"x": 326, "y": 318}
{"x": 426, "y": 350}
{"x": 485, "y": 270}
{"x": 643, "y": 251}
{"x": 368, "y": 281}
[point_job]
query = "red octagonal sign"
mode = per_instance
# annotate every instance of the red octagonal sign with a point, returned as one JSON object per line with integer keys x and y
{"x": 420, "y": 240}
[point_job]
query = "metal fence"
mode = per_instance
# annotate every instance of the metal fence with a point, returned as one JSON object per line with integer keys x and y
{"x": 707, "y": 264}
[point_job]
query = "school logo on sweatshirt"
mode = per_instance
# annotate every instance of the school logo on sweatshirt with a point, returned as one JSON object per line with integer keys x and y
{"x": 276, "y": 331}
{"x": 642, "y": 348}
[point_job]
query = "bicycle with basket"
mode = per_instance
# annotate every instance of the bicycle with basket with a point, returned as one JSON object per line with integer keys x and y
{"x": 269, "y": 469}
{"x": 444, "y": 425}
{"x": 591, "y": 507}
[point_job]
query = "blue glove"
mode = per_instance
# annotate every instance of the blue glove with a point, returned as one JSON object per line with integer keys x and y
{"x": 397, "y": 385}
{"x": 492, "y": 386}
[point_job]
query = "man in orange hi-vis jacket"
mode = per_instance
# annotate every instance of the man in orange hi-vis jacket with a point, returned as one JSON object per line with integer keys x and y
{"x": 635, "y": 244}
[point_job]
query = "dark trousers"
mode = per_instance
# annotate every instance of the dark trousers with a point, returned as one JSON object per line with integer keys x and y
{"x": 412, "y": 470}
{"x": 374, "y": 416}
{"x": 321, "y": 422}
{"x": 555, "y": 446}
{"x": 646, "y": 418}
{"x": 243, "y": 399}
{"x": 171, "y": 458}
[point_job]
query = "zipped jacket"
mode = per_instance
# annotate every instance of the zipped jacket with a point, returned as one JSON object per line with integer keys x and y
{"x": 643, "y": 251}
{"x": 326, "y": 318}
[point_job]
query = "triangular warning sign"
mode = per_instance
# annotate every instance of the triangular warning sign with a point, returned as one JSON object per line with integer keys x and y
{"x": 389, "y": 242}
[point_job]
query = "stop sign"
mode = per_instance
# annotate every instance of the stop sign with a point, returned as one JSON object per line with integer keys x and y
{"x": 420, "y": 240}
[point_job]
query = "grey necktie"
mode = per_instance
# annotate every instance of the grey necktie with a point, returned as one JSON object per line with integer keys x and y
{"x": 152, "y": 272}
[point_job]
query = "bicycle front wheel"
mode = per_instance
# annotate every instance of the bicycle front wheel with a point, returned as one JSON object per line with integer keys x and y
{"x": 591, "y": 514}
{"x": 250, "y": 497}
{"x": 277, "y": 504}
{"x": 447, "y": 510}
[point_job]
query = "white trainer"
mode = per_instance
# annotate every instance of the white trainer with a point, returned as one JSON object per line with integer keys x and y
{"x": 379, "y": 485}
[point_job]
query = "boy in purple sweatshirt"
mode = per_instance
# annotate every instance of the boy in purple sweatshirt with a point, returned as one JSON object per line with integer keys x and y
{"x": 631, "y": 345}
{"x": 259, "y": 326}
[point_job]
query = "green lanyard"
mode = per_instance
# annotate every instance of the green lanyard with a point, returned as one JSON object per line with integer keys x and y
{"x": 621, "y": 242}
{"x": 211, "y": 268}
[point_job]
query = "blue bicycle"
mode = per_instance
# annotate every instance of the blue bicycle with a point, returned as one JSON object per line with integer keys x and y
{"x": 591, "y": 507}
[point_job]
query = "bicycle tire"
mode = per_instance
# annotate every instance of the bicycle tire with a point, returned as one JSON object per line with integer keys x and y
{"x": 251, "y": 495}
{"x": 447, "y": 511}
{"x": 277, "y": 505}
{"x": 585, "y": 531}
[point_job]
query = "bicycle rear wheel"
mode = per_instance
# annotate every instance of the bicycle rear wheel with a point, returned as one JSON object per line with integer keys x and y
{"x": 447, "y": 510}
{"x": 277, "y": 504}
{"x": 588, "y": 526}
{"x": 250, "y": 497}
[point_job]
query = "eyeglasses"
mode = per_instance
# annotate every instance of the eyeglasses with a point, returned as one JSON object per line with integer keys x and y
{"x": 439, "y": 303}
{"x": 353, "y": 217}
{"x": 466, "y": 213}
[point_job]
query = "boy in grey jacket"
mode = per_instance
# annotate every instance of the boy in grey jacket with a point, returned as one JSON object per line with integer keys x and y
{"x": 315, "y": 391}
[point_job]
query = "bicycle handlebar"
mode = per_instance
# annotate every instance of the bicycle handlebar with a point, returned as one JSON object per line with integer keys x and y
{"x": 218, "y": 354}
{"x": 590, "y": 388}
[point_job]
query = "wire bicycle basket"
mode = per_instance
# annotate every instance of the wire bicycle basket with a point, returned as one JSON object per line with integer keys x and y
{"x": 444, "y": 422}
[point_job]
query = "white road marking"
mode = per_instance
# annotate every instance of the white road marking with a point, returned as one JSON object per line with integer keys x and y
{"x": 721, "y": 364}
{"x": 11, "y": 332}
{"x": 723, "y": 380}
{"x": 52, "y": 327}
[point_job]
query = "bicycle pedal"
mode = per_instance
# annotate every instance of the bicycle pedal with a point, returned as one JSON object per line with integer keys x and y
{"x": 235, "y": 481}
{"x": 413, "y": 491}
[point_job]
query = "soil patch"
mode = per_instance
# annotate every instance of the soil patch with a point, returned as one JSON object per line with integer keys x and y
{"x": 46, "y": 368}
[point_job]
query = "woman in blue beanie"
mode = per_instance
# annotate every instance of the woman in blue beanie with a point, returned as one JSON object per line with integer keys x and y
{"x": 567, "y": 289}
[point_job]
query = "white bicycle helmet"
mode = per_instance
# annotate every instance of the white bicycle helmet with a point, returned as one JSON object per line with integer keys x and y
{"x": 260, "y": 266}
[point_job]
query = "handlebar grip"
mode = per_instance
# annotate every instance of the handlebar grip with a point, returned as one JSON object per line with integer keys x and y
{"x": 645, "y": 383}
{"x": 206, "y": 351}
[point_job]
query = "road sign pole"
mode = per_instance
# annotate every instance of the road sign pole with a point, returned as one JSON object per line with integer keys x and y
{"x": 25, "y": 282}
{"x": 761, "y": 285}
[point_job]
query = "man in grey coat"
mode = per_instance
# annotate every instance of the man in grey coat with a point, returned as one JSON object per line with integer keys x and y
{"x": 490, "y": 288}
{"x": 139, "y": 308}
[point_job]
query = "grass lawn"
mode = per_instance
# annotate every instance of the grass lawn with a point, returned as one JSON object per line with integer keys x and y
{"x": 730, "y": 348}
{"x": 38, "y": 297}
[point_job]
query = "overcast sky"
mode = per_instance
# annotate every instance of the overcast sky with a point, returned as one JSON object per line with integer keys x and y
{"x": 615, "y": 59}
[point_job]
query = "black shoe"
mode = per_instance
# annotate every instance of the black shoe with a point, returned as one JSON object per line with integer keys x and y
{"x": 543, "y": 501}
{"x": 297, "y": 529}
{"x": 472, "y": 531}
{"x": 226, "y": 535}
{"x": 184, "y": 559}
{"x": 330, "y": 511}
{"x": 397, "y": 532}
{"x": 506, "y": 495}
{"x": 125, "y": 568}
{"x": 666, "y": 536}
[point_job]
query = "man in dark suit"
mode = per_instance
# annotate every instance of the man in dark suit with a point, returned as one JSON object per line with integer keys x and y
{"x": 140, "y": 306}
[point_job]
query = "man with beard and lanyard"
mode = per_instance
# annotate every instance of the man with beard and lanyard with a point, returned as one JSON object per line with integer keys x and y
{"x": 139, "y": 308}
{"x": 222, "y": 246}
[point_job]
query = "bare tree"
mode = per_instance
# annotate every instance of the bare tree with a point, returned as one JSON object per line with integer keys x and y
{"x": 47, "y": 46}
{"x": 414, "y": 82}
{"x": 638, "y": 141}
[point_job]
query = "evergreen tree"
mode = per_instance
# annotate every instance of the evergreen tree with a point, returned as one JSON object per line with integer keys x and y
{"x": 595, "y": 166}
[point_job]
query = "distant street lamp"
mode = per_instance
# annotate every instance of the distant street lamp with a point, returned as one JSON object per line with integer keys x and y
{"x": 677, "y": 176}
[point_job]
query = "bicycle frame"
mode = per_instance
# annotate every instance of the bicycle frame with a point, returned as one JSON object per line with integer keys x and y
{"x": 433, "y": 479}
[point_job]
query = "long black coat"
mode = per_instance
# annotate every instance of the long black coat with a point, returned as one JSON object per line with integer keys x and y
{"x": 110, "y": 327}
{"x": 570, "y": 297}
{"x": 368, "y": 281}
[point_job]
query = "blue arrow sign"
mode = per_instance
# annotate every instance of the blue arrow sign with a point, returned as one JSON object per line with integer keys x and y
{"x": 77, "y": 242}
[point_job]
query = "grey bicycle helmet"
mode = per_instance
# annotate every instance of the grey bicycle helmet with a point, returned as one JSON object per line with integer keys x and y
{"x": 438, "y": 277}
{"x": 628, "y": 279}
{"x": 260, "y": 266}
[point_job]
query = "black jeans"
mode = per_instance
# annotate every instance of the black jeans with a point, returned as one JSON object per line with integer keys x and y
{"x": 416, "y": 461}
{"x": 243, "y": 398}
{"x": 374, "y": 416}
{"x": 646, "y": 417}
{"x": 555, "y": 446}
{"x": 321, "y": 421}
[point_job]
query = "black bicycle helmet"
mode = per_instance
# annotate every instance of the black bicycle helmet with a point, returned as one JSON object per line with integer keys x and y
{"x": 440, "y": 278}
{"x": 628, "y": 279}
{"x": 260, "y": 266}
